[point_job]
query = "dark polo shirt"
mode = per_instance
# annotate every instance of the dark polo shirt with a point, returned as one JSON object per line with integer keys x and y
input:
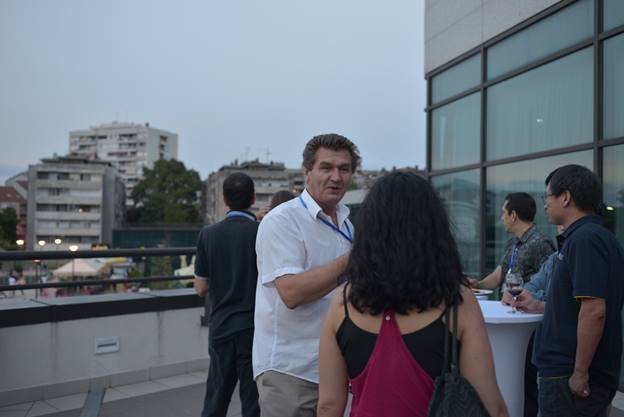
{"x": 590, "y": 263}
{"x": 226, "y": 257}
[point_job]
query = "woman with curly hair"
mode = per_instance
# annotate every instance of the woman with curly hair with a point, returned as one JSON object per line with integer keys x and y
{"x": 385, "y": 330}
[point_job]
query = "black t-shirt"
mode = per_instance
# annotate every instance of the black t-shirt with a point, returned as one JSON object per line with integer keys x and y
{"x": 590, "y": 263}
{"x": 226, "y": 257}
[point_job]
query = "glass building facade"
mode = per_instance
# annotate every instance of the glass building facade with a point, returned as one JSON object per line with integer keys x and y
{"x": 502, "y": 116}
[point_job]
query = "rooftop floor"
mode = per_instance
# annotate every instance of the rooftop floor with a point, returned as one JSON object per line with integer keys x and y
{"x": 176, "y": 396}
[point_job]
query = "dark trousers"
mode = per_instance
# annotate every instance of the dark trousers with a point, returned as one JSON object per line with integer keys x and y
{"x": 230, "y": 361}
{"x": 556, "y": 399}
{"x": 530, "y": 382}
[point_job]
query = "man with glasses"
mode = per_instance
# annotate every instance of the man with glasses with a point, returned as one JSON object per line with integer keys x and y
{"x": 580, "y": 346}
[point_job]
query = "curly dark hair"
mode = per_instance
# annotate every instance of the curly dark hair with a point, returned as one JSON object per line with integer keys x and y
{"x": 332, "y": 141}
{"x": 404, "y": 256}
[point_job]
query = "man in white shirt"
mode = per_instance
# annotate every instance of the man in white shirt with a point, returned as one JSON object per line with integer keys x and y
{"x": 302, "y": 249}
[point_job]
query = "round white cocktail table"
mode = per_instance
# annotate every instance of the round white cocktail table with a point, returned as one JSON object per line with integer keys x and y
{"x": 509, "y": 336}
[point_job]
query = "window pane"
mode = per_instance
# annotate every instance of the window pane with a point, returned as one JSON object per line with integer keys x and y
{"x": 613, "y": 196}
{"x": 456, "y": 79}
{"x": 567, "y": 27}
{"x": 546, "y": 108}
{"x": 613, "y": 13}
{"x": 456, "y": 132}
{"x": 525, "y": 176}
{"x": 460, "y": 192}
{"x": 614, "y": 87}
{"x": 613, "y": 183}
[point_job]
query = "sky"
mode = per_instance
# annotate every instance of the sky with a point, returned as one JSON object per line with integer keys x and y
{"x": 234, "y": 79}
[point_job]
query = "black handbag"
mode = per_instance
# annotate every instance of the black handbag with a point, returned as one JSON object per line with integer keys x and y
{"x": 453, "y": 395}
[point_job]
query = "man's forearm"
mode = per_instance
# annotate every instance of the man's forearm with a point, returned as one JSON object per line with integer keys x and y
{"x": 590, "y": 327}
{"x": 298, "y": 289}
{"x": 491, "y": 281}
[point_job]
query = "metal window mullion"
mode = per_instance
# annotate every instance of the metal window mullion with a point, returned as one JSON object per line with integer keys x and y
{"x": 598, "y": 88}
{"x": 483, "y": 158}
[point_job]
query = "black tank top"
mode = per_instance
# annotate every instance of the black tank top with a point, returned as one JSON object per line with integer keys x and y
{"x": 426, "y": 345}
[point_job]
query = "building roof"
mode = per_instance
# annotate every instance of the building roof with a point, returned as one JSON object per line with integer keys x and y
{"x": 8, "y": 194}
{"x": 75, "y": 159}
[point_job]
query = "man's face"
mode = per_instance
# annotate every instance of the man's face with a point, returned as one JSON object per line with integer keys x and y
{"x": 330, "y": 176}
{"x": 506, "y": 217}
{"x": 553, "y": 207}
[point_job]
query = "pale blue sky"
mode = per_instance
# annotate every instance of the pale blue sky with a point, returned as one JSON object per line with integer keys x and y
{"x": 230, "y": 77}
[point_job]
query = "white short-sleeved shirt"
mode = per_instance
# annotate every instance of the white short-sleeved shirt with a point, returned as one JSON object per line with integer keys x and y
{"x": 292, "y": 239}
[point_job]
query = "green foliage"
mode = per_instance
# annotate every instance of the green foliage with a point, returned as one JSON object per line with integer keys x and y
{"x": 168, "y": 193}
{"x": 8, "y": 228}
{"x": 161, "y": 266}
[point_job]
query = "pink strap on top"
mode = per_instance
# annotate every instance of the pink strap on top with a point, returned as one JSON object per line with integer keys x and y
{"x": 393, "y": 382}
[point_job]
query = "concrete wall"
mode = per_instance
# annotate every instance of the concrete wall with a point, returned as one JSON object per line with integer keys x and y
{"x": 453, "y": 27}
{"x": 53, "y": 359}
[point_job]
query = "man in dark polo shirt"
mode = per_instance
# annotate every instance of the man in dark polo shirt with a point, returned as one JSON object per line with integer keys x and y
{"x": 225, "y": 269}
{"x": 578, "y": 356}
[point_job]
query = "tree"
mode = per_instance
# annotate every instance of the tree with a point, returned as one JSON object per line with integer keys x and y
{"x": 8, "y": 228}
{"x": 168, "y": 193}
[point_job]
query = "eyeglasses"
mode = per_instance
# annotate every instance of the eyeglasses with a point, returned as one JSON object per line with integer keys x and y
{"x": 546, "y": 195}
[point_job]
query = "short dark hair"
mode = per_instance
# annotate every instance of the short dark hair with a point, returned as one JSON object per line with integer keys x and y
{"x": 582, "y": 184}
{"x": 279, "y": 198}
{"x": 331, "y": 141}
{"x": 523, "y": 204}
{"x": 405, "y": 258}
{"x": 238, "y": 191}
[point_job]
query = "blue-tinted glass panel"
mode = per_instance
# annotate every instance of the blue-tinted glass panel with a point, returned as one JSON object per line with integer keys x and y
{"x": 456, "y": 79}
{"x": 546, "y": 108}
{"x": 525, "y": 176}
{"x": 455, "y": 133}
{"x": 613, "y": 13}
{"x": 613, "y": 196}
{"x": 613, "y": 102}
{"x": 571, "y": 25}
{"x": 613, "y": 188}
{"x": 460, "y": 192}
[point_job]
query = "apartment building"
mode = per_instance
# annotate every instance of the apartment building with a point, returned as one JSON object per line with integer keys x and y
{"x": 129, "y": 147}
{"x": 72, "y": 201}
{"x": 268, "y": 178}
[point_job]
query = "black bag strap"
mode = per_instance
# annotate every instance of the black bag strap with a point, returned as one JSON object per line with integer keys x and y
{"x": 455, "y": 361}
{"x": 447, "y": 318}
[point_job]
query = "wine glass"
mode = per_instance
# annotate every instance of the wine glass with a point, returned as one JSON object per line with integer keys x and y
{"x": 514, "y": 282}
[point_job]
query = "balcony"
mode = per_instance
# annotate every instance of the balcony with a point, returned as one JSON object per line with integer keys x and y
{"x": 114, "y": 354}
{"x": 58, "y": 352}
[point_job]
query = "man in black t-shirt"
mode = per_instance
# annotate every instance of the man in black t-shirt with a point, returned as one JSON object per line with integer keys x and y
{"x": 578, "y": 355}
{"x": 225, "y": 270}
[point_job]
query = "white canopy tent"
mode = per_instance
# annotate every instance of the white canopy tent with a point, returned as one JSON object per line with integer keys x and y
{"x": 79, "y": 268}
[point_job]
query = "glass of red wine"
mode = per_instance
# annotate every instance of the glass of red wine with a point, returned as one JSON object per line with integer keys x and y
{"x": 513, "y": 282}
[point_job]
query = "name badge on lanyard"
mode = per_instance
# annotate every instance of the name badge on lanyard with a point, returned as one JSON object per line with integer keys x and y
{"x": 347, "y": 235}
{"x": 514, "y": 254}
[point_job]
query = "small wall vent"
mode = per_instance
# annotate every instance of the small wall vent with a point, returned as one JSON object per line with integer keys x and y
{"x": 106, "y": 345}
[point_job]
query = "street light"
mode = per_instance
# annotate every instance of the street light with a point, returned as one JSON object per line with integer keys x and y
{"x": 73, "y": 248}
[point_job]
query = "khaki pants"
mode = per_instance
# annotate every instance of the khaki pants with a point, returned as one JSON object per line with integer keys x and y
{"x": 282, "y": 395}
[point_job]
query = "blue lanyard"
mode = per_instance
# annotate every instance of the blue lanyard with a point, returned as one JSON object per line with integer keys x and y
{"x": 348, "y": 236}
{"x": 514, "y": 254}
{"x": 235, "y": 213}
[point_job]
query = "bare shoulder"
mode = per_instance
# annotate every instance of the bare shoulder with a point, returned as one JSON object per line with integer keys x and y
{"x": 469, "y": 309}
